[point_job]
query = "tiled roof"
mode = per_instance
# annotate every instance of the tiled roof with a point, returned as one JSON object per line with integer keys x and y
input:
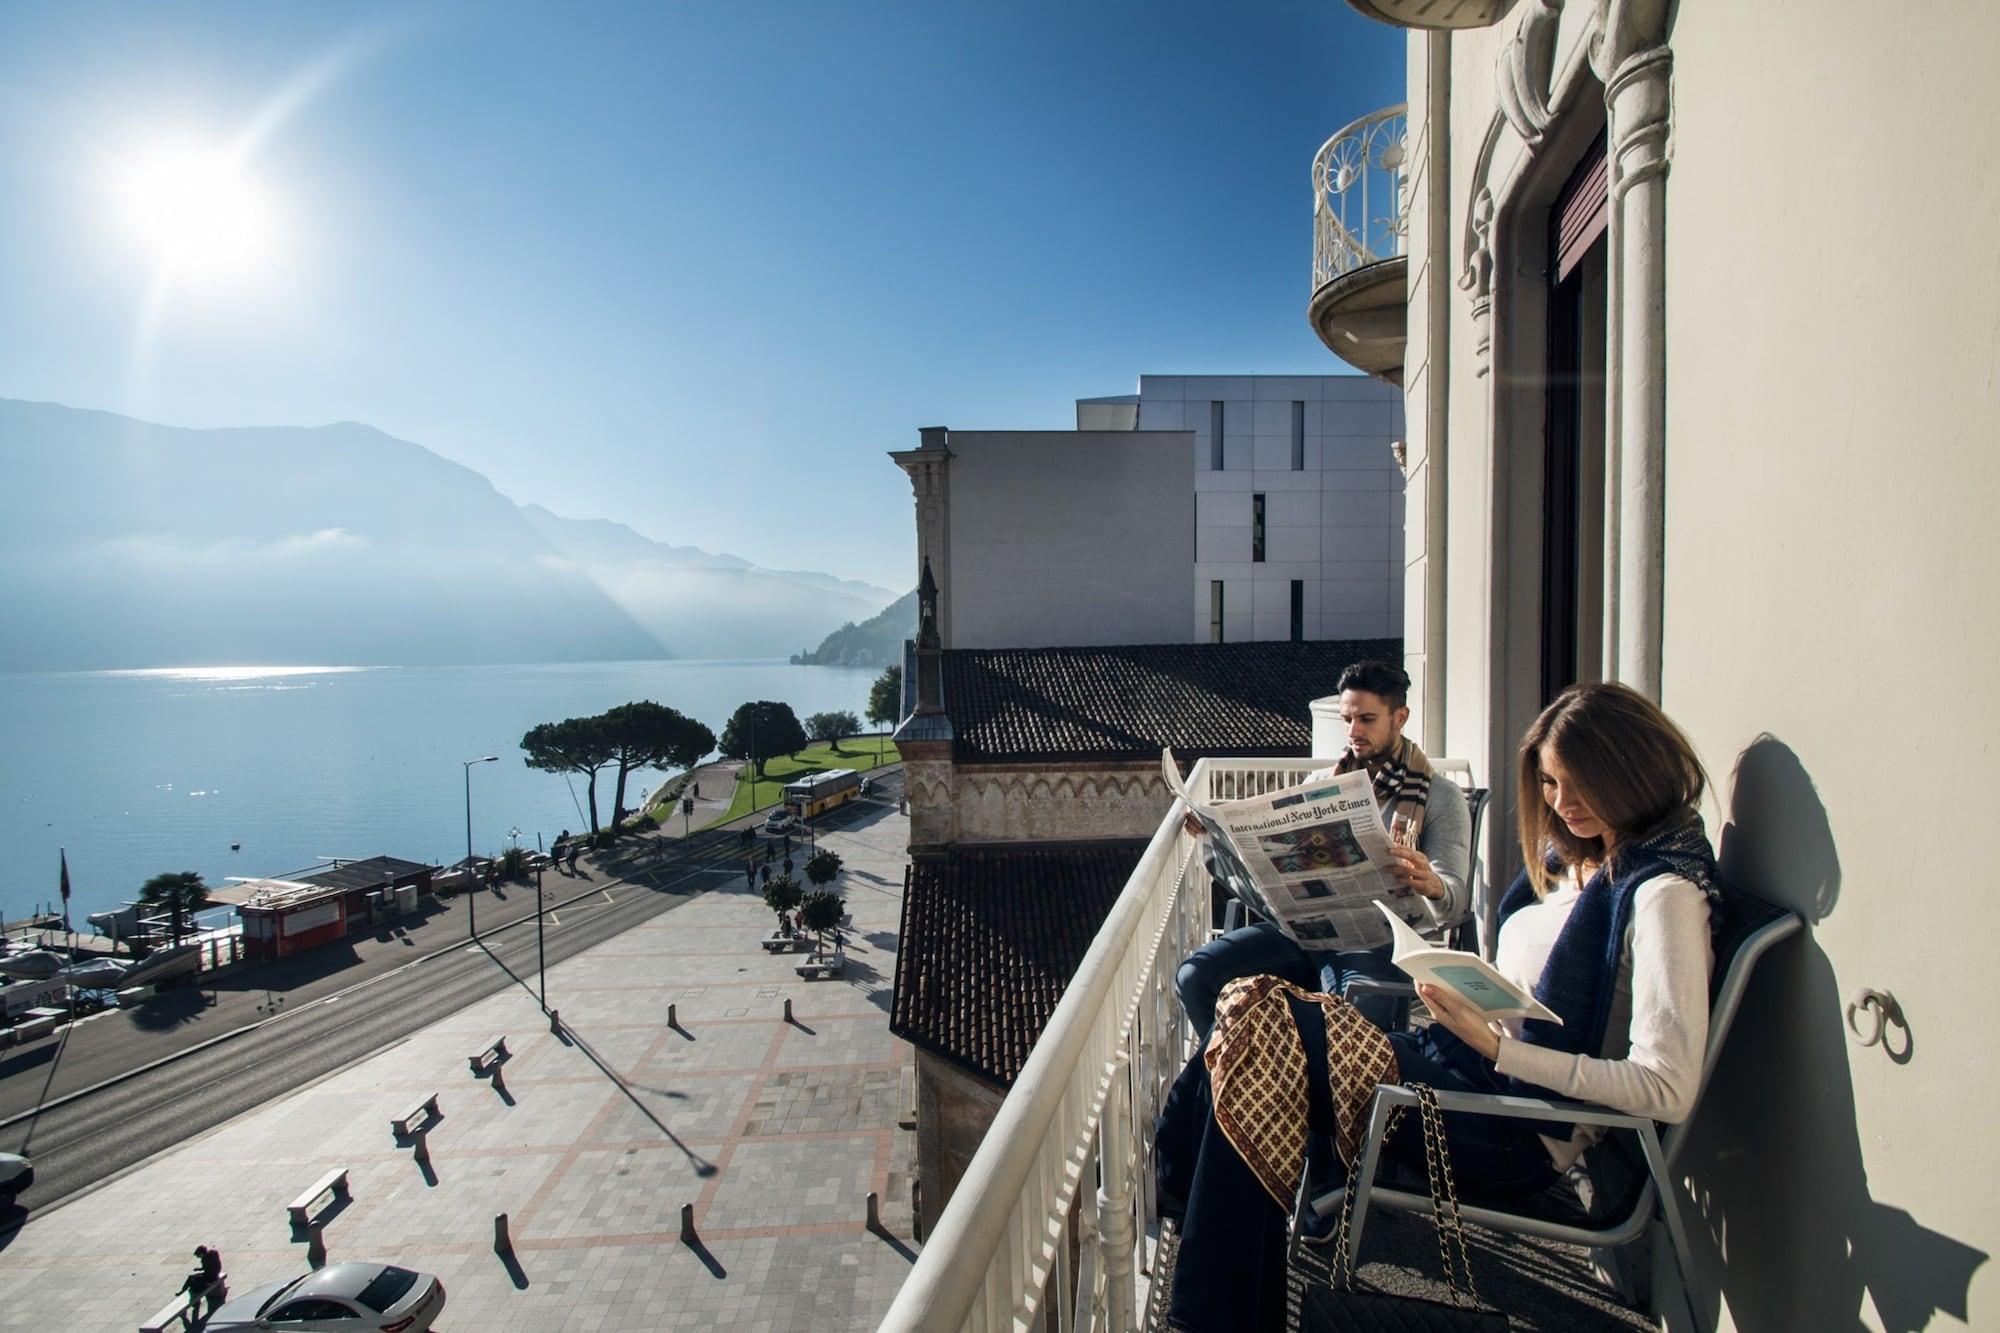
{"x": 373, "y": 873}
{"x": 1217, "y": 699}
{"x": 990, "y": 939}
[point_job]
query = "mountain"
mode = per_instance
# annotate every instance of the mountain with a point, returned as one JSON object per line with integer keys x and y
{"x": 131, "y": 544}
{"x": 876, "y": 641}
{"x": 703, "y": 604}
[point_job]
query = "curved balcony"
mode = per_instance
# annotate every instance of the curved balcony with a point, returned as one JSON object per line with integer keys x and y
{"x": 1360, "y": 268}
{"x": 1431, "y": 13}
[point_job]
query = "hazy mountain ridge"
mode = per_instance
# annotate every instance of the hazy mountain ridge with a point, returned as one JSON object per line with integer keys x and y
{"x": 877, "y": 641}
{"x": 133, "y": 544}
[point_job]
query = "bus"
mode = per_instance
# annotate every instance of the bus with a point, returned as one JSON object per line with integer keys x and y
{"x": 811, "y": 797}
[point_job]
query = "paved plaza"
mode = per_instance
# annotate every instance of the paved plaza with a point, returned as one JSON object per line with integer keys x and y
{"x": 591, "y": 1143}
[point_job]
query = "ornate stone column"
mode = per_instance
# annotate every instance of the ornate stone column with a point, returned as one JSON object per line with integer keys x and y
{"x": 1638, "y": 102}
{"x": 929, "y": 467}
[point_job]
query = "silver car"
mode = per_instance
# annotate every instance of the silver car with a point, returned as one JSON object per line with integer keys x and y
{"x": 352, "y": 1298}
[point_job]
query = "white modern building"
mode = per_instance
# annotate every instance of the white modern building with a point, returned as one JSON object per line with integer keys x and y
{"x": 1298, "y": 499}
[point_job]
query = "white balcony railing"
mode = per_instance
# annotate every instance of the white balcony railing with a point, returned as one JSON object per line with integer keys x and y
{"x": 1081, "y": 1115}
{"x": 1358, "y": 179}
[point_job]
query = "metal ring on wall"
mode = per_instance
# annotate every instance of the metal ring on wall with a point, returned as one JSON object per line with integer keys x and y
{"x": 1879, "y": 1005}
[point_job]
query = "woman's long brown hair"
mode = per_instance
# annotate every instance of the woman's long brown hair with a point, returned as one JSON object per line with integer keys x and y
{"x": 1636, "y": 769}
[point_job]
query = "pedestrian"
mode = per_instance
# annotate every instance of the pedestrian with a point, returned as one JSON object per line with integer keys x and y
{"x": 205, "y": 1282}
{"x": 750, "y": 872}
{"x": 572, "y": 854}
{"x": 788, "y": 865}
{"x": 697, "y": 791}
{"x": 767, "y": 872}
{"x": 788, "y": 844}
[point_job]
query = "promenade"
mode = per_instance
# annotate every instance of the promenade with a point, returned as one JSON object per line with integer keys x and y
{"x": 591, "y": 1142}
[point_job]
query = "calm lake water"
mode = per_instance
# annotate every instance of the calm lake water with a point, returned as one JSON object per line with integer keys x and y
{"x": 142, "y": 772}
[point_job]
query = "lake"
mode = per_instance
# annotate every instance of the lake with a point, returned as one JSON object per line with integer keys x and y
{"x": 140, "y": 772}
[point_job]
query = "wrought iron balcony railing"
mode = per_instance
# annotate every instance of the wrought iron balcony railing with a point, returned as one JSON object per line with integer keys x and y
{"x": 1358, "y": 177}
{"x": 1067, "y": 1165}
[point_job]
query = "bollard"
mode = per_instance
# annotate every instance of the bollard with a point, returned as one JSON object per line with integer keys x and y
{"x": 673, "y": 1018}
{"x": 502, "y": 1243}
{"x": 916, "y": 1210}
{"x": 687, "y": 1224}
{"x": 874, "y": 1211}
{"x": 788, "y": 1009}
{"x": 316, "y": 1244}
{"x": 555, "y": 1021}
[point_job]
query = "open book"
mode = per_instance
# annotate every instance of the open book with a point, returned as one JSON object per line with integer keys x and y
{"x": 1312, "y": 858}
{"x": 1467, "y": 975}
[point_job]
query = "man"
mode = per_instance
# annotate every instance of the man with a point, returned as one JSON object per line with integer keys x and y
{"x": 204, "y": 1284}
{"x": 1374, "y": 703}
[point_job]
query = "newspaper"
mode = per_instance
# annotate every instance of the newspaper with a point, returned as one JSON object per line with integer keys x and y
{"x": 1313, "y": 858}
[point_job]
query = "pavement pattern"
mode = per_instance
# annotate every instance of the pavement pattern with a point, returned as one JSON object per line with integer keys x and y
{"x": 590, "y": 1142}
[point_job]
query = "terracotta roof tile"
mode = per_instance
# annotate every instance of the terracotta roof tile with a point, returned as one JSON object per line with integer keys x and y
{"x": 990, "y": 939}
{"x": 1217, "y": 699}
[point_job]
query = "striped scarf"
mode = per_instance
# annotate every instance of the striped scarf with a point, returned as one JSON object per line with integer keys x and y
{"x": 1402, "y": 784}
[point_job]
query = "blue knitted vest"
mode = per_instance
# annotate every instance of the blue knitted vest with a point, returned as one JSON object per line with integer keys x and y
{"x": 1581, "y": 975}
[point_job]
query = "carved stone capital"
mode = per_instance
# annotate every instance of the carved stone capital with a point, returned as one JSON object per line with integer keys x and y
{"x": 1525, "y": 69}
{"x": 1639, "y": 101}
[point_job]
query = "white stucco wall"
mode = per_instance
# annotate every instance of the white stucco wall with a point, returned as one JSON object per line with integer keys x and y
{"x": 1830, "y": 621}
{"x": 1068, "y": 538}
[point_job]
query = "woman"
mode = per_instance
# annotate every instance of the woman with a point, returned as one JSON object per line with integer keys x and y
{"x": 1609, "y": 927}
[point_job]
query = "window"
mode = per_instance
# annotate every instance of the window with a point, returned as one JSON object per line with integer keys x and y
{"x": 1257, "y": 529}
{"x": 1215, "y": 434}
{"x": 1298, "y": 610}
{"x": 1215, "y": 610}
{"x": 1298, "y": 437}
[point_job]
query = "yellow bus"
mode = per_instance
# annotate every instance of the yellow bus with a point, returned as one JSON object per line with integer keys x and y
{"x": 808, "y": 798}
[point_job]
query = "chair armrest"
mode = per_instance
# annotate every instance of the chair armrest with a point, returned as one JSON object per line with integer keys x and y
{"x": 1517, "y": 1108}
{"x": 1369, "y": 986}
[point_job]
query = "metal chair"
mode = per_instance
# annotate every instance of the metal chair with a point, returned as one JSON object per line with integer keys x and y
{"x": 1750, "y": 928}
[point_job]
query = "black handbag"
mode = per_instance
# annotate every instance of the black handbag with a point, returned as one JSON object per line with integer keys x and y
{"x": 1323, "y": 1295}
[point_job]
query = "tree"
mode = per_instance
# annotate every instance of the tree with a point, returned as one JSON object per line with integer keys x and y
{"x": 181, "y": 893}
{"x": 885, "y": 698}
{"x": 783, "y": 894}
{"x": 574, "y": 745}
{"x": 833, "y": 727}
{"x": 822, "y": 866}
{"x": 757, "y": 731}
{"x": 821, "y": 911}
{"x": 650, "y": 735}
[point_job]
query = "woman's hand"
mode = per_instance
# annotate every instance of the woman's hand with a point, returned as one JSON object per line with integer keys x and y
{"x": 1462, "y": 1020}
{"x": 1412, "y": 871}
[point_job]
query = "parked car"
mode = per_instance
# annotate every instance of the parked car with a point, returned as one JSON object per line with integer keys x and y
{"x": 349, "y": 1297}
{"x": 16, "y": 1174}
{"x": 780, "y": 821}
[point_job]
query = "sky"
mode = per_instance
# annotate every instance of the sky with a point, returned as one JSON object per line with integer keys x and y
{"x": 691, "y": 267}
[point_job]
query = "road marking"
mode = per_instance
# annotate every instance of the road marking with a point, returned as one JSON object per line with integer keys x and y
{"x": 608, "y": 898}
{"x": 553, "y": 917}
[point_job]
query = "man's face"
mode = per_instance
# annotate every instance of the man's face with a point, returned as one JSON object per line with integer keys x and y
{"x": 1373, "y": 727}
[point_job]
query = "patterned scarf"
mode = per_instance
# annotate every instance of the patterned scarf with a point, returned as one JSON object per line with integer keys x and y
{"x": 1257, "y": 1077}
{"x": 1402, "y": 784}
{"x": 1581, "y": 974}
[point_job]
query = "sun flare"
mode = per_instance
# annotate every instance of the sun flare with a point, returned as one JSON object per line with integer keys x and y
{"x": 197, "y": 212}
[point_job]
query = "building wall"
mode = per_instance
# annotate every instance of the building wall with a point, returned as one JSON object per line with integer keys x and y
{"x": 964, "y": 803}
{"x": 1336, "y": 524}
{"x": 954, "y": 1111}
{"x": 1061, "y": 538}
{"x": 1828, "y": 623}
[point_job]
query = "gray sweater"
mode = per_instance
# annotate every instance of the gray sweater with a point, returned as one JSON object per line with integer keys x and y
{"x": 1447, "y": 843}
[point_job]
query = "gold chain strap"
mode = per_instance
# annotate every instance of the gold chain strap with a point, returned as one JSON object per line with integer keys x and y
{"x": 1444, "y": 1203}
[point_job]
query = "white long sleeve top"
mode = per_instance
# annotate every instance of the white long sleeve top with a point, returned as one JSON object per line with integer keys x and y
{"x": 1650, "y": 1064}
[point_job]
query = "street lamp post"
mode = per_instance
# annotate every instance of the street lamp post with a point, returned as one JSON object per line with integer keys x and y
{"x": 472, "y": 894}
{"x": 541, "y": 939}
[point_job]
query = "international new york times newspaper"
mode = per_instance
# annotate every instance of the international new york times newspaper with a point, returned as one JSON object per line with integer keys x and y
{"x": 1314, "y": 858}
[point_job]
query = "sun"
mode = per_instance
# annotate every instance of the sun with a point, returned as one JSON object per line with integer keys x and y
{"x": 198, "y": 212}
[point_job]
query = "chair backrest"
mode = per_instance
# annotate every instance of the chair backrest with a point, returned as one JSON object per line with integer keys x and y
{"x": 1750, "y": 927}
{"x": 1485, "y": 904}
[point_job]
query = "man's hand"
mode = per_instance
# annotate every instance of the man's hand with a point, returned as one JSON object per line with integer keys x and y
{"x": 1192, "y": 823}
{"x": 1464, "y": 1021}
{"x": 1413, "y": 871}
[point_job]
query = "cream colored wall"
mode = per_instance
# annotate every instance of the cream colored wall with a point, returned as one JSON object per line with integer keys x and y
{"x": 1833, "y": 344}
{"x": 1833, "y": 373}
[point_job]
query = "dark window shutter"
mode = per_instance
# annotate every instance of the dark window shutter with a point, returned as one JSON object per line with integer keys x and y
{"x": 1577, "y": 219}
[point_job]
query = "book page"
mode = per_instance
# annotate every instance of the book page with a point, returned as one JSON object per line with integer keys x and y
{"x": 1466, "y": 975}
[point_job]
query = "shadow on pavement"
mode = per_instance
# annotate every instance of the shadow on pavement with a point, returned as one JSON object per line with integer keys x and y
{"x": 709, "y": 1261}
{"x": 175, "y": 1008}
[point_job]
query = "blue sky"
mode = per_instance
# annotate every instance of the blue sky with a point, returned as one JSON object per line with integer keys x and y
{"x": 691, "y": 267}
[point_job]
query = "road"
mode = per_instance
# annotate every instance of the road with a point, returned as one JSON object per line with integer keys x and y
{"x": 82, "y": 1141}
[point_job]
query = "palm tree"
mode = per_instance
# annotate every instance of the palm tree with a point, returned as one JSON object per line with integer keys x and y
{"x": 181, "y": 893}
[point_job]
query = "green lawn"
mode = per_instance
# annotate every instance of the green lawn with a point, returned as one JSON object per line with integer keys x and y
{"x": 857, "y": 752}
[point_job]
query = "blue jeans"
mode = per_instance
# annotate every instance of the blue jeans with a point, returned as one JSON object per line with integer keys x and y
{"x": 1263, "y": 948}
{"x": 1231, "y": 1272}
